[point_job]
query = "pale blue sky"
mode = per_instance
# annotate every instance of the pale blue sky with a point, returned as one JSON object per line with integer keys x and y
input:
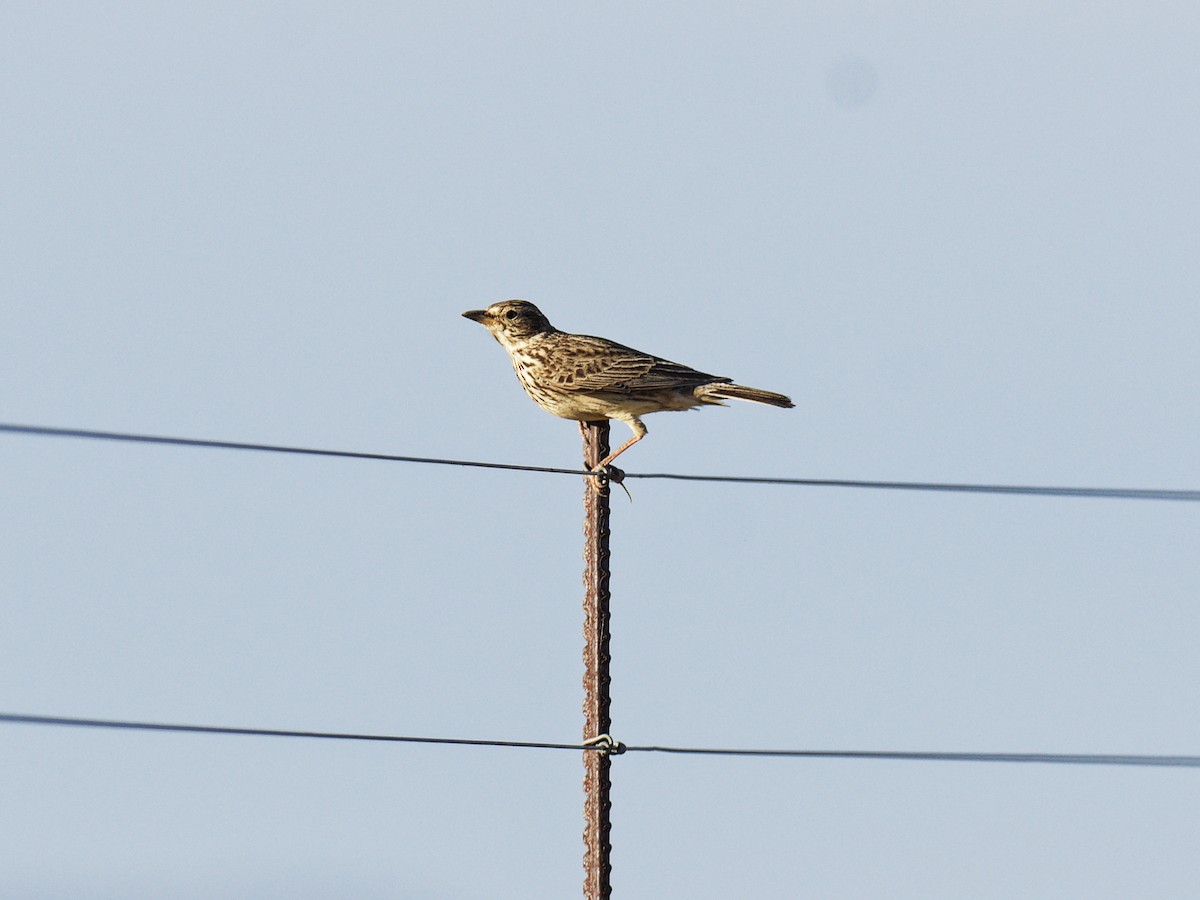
{"x": 963, "y": 238}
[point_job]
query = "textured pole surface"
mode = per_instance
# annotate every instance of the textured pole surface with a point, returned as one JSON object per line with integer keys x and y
{"x": 596, "y": 680}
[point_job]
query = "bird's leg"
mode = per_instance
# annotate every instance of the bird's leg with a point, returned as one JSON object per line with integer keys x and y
{"x": 639, "y": 432}
{"x": 609, "y": 473}
{"x": 625, "y": 446}
{"x": 582, "y": 428}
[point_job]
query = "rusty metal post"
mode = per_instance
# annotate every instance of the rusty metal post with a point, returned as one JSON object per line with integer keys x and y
{"x": 596, "y": 680}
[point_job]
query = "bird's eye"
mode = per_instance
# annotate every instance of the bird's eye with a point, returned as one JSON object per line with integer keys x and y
{"x": 511, "y": 314}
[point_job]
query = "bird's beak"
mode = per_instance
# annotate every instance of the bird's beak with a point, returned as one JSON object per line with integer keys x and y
{"x": 477, "y": 315}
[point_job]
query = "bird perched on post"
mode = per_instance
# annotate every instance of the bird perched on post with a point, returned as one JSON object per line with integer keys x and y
{"x": 577, "y": 376}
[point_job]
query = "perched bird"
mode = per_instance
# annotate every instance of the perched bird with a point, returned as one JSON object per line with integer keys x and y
{"x": 577, "y": 376}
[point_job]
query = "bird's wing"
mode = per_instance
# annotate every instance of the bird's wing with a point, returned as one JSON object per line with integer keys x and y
{"x": 600, "y": 365}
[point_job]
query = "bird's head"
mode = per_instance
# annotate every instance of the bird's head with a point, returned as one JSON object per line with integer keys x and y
{"x": 511, "y": 322}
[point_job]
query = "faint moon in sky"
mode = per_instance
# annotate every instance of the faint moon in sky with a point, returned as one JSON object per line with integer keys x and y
{"x": 851, "y": 81}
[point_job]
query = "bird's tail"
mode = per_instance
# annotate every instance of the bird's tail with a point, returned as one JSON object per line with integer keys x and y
{"x": 717, "y": 392}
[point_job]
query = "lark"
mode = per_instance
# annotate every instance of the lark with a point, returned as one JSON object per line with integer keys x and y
{"x": 589, "y": 379}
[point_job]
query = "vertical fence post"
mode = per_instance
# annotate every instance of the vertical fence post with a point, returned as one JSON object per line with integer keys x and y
{"x": 596, "y": 680}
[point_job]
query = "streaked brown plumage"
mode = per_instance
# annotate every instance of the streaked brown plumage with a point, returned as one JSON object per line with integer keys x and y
{"x": 577, "y": 376}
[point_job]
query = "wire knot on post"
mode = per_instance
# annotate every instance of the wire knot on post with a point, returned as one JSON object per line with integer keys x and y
{"x": 610, "y": 475}
{"x": 605, "y": 744}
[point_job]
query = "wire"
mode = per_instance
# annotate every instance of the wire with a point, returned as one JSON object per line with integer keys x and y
{"x": 268, "y": 448}
{"x": 1108, "y": 493}
{"x": 614, "y": 748}
{"x": 1094, "y": 759}
{"x": 18, "y": 719}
